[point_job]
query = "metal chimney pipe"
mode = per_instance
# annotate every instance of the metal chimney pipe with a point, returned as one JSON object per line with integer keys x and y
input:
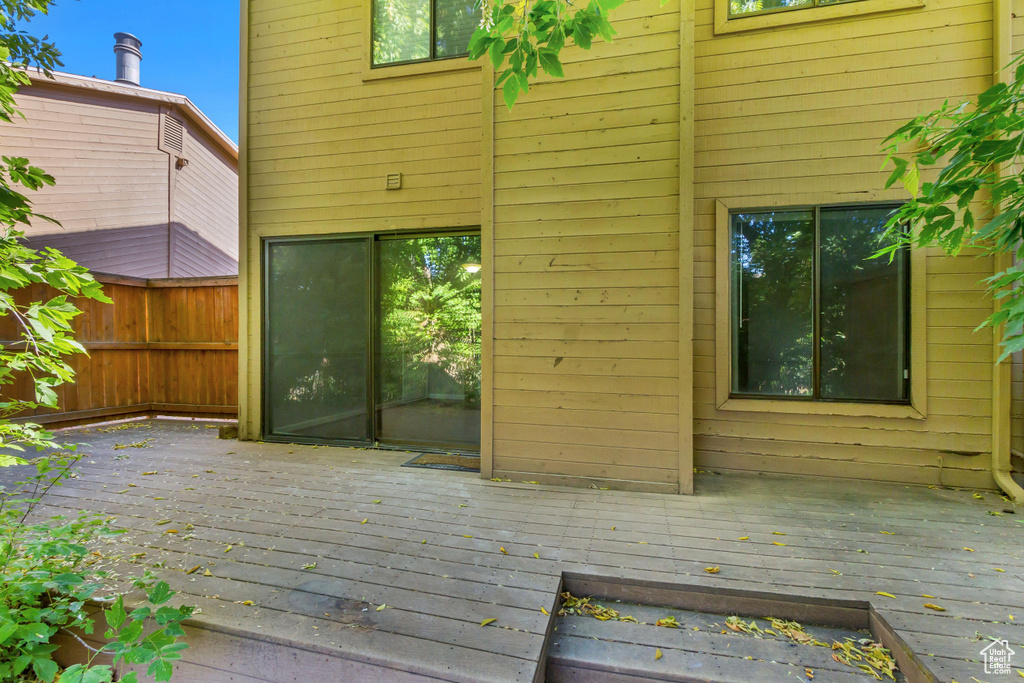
{"x": 128, "y": 57}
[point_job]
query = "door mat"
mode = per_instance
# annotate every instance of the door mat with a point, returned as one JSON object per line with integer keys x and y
{"x": 446, "y": 461}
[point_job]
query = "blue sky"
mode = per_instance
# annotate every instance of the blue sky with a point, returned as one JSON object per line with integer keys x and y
{"x": 188, "y": 46}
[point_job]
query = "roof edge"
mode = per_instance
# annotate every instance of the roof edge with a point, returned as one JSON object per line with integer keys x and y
{"x": 99, "y": 85}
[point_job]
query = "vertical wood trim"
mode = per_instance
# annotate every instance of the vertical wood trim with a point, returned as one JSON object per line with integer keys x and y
{"x": 1002, "y": 46}
{"x": 723, "y": 331}
{"x": 919, "y": 331}
{"x": 687, "y": 21}
{"x": 487, "y": 273}
{"x": 162, "y": 114}
{"x": 246, "y": 410}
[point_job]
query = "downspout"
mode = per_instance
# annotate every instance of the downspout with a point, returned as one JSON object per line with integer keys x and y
{"x": 1002, "y": 49}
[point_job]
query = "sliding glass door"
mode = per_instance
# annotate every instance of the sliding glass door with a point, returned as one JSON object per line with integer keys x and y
{"x": 374, "y": 339}
{"x": 317, "y": 339}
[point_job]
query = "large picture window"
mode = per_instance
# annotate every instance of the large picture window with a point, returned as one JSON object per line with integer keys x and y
{"x": 812, "y": 315}
{"x": 421, "y": 30}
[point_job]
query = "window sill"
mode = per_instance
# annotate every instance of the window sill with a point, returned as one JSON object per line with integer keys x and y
{"x": 724, "y": 24}
{"x": 755, "y": 405}
{"x": 440, "y": 66}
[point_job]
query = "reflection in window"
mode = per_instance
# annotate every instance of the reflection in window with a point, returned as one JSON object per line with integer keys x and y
{"x": 430, "y": 340}
{"x": 812, "y": 314}
{"x": 421, "y": 30}
{"x": 738, "y": 8}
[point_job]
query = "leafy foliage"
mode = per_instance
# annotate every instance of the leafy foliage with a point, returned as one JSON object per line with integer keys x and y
{"x": 531, "y": 40}
{"x": 979, "y": 146}
{"x": 430, "y": 314}
{"x": 45, "y": 327}
{"x": 48, "y": 572}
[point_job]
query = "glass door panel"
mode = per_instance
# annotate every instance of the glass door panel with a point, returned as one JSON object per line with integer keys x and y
{"x": 317, "y": 339}
{"x": 429, "y": 341}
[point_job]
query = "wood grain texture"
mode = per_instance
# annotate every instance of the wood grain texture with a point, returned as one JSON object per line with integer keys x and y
{"x": 165, "y": 348}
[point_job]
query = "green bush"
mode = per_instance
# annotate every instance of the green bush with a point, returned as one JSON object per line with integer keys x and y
{"x": 49, "y": 571}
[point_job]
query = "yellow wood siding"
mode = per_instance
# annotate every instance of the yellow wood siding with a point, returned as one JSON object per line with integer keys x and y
{"x": 586, "y": 227}
{"x": 795, "y": 115}
{"x": 321, "y": 141}
{"x": 583, "y": 189}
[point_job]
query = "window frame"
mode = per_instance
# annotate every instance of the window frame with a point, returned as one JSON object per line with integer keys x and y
{"x": 726, "y": 23}
{"x": 915, "y": 407}
{"x": 816, "y": 294}
{"x": 433, "y": 58}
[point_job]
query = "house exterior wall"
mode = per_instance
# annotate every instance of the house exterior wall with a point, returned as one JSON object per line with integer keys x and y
{"x": 794, "y": 115}
{"x": 111, "y": 194}
{"x": 601, "y": 200}
{"x": 123, "y": 208}
{"x": 324, "y": 132}
{"x": 204, "y": 225}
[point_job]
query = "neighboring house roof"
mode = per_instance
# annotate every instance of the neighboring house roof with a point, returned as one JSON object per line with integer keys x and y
{"x": 180, "y": 102}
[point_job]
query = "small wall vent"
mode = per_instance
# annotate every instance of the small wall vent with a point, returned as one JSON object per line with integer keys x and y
{"x": 172, "y": 138}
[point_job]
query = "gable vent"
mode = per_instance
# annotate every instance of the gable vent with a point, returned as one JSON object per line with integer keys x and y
{"x": 173, "y": 136}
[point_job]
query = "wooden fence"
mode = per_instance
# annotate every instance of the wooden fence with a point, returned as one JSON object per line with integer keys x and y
{"x": 166, "y": 347}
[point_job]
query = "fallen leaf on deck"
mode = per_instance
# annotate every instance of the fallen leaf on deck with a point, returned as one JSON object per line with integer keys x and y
{"x": 159, "y": 498}
{"x": 194, "y": 569}
{"x": 546, "y": 613}
{"x": 641, "y": 542}
{"x": 171, "y": 531}
{"x": 247, "y": 603}
{"x": 777, "y": 543}
{"x": 743, "y": 538}
{"x": 466, "y": 536}
{"x": 934, "y": 607}
{"x": 888, "y": 533}
{"x": 382, "y": 608}
{"x": 884, "y": 594}
{"x": 537, "y": 555}
{"x": 488, "y": 621}
{"x": 712, "y": 570}
{"x": 970, "y": 550}
{"x": 997, "y": 569}
{"x": 207, "y": 573}
{"x": 925, "y": 595}
{"x": 163, "y": 521}
{"x": 503, "y": 551}
{"x": 657, "y": 653}
{"x": 311, "y": 565}
{"x": 979, "y": 496}
{"x": 376, "y": 501}
{"x": 461, "y": 505}
{"x": 364, "y": 521}
{"x": 778, "y": 533}
{"x": 613, "y": 528}
{"x": 1011, "y": 617}
{"x": 228, "y": 549}
{"x": 667, "y": 622}
{"x": 146, "y": 474}
{"x": 836, "y": 572}
{"x": 809, "y": 673}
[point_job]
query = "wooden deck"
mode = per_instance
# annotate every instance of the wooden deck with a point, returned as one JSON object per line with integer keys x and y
{"x": 447, "y": 550}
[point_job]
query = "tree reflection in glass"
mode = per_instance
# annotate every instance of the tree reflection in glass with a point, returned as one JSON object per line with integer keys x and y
{"x": 429, "y": 370}
{"x": 773, "y": 303}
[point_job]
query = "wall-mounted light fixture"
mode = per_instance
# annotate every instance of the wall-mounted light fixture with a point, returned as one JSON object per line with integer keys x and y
{"x": 180, "y": 163}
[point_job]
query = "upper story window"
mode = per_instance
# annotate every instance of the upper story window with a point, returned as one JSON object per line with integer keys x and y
{"x": 742, "y": 8}
{"x": 813, "y": 316}
{"x": 422, "y": 30}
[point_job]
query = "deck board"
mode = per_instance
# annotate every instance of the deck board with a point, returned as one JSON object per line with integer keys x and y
{"x": 431, "y": 550}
